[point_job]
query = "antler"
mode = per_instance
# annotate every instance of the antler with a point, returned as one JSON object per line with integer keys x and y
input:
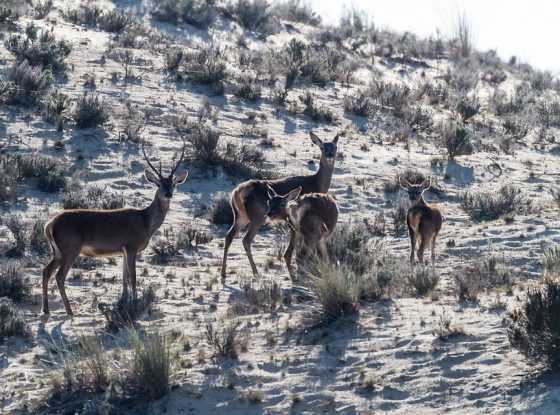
{"x": 156, "y": 171}
{"x": 174, "y": 169}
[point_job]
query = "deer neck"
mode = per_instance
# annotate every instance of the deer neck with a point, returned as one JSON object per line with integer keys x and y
{"x": 324, "y": 174}
{"x": 155, "y": 213}
{"x": 420, "y": 202}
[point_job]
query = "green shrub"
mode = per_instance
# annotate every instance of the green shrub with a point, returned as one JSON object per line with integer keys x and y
{"x": 13, "y": 284}
{"x": 490, "y": 204}
{"x": 152, "y": 368}
{"x": 12, "y": 322}
{"x": 90, "y": 111}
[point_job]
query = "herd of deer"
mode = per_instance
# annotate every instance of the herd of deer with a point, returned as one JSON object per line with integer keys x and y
{"x": 301, "y": 201}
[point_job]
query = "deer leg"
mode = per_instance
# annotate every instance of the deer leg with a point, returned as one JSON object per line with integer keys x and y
{"x": 434, "y": 249}
{"x": 412, "y": 244}
{"x": 289, "y": 252}
{"x": 231, "y": 234}
{"x": 61, "y": 278}
{"x": 254, "y": 227}
{"x": 124, "y": 293}
{"x": 421, "y": 250}
{"x": 131, "y": 267}
{"x": 47, "y": 273}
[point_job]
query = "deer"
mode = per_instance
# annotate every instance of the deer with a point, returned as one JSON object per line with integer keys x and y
{"x": 250, "y": 200}
{"x": 423, "y": 220}
{"x": 111, "y": 232}
{"x": 311, "y": 218}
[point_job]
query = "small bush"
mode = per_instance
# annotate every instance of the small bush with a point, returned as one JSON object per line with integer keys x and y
{"x": 90, "y": 111}
{"x": 462, "y": 77}
{"x": 26, "y": 84}
{"x": 220, "y": 212}
{"x": 126, "y": 311}
{"x": 398, "y": 215}
{"x": 248, "y": 89}
{"x": 423, "y": 280}
{"x": 87, "y": 14}
{"x": 296, "y": 11}
{"x": 228, "y": 341}
{"x": 361, "y": 104}
{"x": 467, "y": 107}
{"x": 456, "y": 139}
{"x": 203, "y": 138}
{"x": 13, "y": 284}
{"x": 56, "y": 107}
{"x": 550, "y": 261}
{"x": 152, "y": 366}
{"x": 163, "y": 250}
{"x": 19, "y": 232}
{"x": 114, "y": 21}
{"x": 12, "y": 322}
{"x": 259, "y": 296}
{"x": 194, "y": 12}
{"x": 40, "y": 50}
{"x": 316, "y": 113}
{"x": 535, "y": 327}
{"x": 251, "y": 14}
{"x": 9, "y": 176}
{"x": 8, "y": 18}
{"x": 41, "y": 8}
{"x": 548, "y": 113}
{"x": 337, "y": 290}
{"x": 490, "y": 205}
{"x": 91, "y": 197}
{"x": 206, "y": 65}
{"x": 37, "y": 241}
{"x": 391, "y": 96}
{"x": 490, "y": 272}
{"x": 463, "y": 36}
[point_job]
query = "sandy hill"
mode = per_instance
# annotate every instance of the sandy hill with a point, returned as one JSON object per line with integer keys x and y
{"x": 242, "y": 84}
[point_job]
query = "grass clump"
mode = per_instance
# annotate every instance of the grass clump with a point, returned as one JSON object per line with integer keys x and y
{"x": 13, "y": 284}
{"x": 12, "y": 322}
{"x": 127, "y": 310}
{"x": 535, "y": 326}
{"x": 423, "y": 280}
{"x": 456, "y": 139}
{"x": 90, "y": 111}
{"x": 198, "y": 13}
{"x": 228, "y": 340}
{"x": 39, "y": 48}
{"x": 91, "y": 197}
{"x": 220, "y": 212}
{"x": 25, "y": 84}
{"x": 151, "y": 364}
{"x": 488, "y": 205}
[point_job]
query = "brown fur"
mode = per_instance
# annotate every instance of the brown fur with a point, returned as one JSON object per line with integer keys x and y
{"x": 249, "y": 200}
{"x": 313, "y": 218}
{"x": 424, "y": 224}
{"x": 91, "y": 232}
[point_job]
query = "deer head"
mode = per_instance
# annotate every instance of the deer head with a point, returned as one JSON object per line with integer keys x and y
{"x": 415, "y": 191}
{"x": 165, "y": 185}
{"x": 278, "y": 204}
{"x": 328, "y": 150}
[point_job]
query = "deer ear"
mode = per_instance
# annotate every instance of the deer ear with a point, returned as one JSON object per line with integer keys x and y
{"x": 427, "y": 183}
{"x": 270, "y": 192}
{"x": 294, "y": 194}
{"x": 151, "y": 177}
{"x": 180, "y": 178}
{"x": 316, "y": 140}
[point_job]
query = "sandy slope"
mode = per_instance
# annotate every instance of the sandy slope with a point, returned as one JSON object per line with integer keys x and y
{"x": 386, "y": 360}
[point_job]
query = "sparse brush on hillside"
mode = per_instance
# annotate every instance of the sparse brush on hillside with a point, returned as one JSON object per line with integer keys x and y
{"x": 40, "y": 48}
{"x": 25, "y": 84}
{"x": 127, "y": 311}
{"x": 91, "y": 197}
{"x": 205, "y": 65}
{"x": 456, "y": 138}
{"x": 8, "y": 18}
{"x": 152, "y": 364}
{"x": 220, "y": 212}
{"x": 12, "y": 321}
{"x": 251, "y": 14}
{"x": 56, "y": 106}
{"x": 490, "y": 272}
{"x": 491, "y": 204}
{"x": 41, "y": 8}
{"x": 319, "y": 113}
{"x": 46, "y": 171}
{"x": 13, "y": 284}
{"x": 248, "y": 88}
{"x": 535, "y": 327}
{"x": 198, "y": 13}
{"x": 90, "y": 110}
{"x": 296, "y": 11}
{"x": 228, "y": 340}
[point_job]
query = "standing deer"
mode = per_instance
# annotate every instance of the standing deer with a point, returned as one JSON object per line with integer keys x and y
{"x": 311, "y": 217}
{"x": 249, "y": 200}
{"x": 96, "y": 232}
{"x": 423, "y": 220}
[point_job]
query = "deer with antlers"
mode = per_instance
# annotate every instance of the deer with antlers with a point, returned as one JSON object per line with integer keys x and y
{"x": 250, "y": 200}
{"x": 97, "y": 232}
{"x": 423, "y": 220}
{"x": 311, "y": 218}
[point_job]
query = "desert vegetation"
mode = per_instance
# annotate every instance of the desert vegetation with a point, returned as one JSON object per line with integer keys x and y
{"x": 89, "y": 89}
